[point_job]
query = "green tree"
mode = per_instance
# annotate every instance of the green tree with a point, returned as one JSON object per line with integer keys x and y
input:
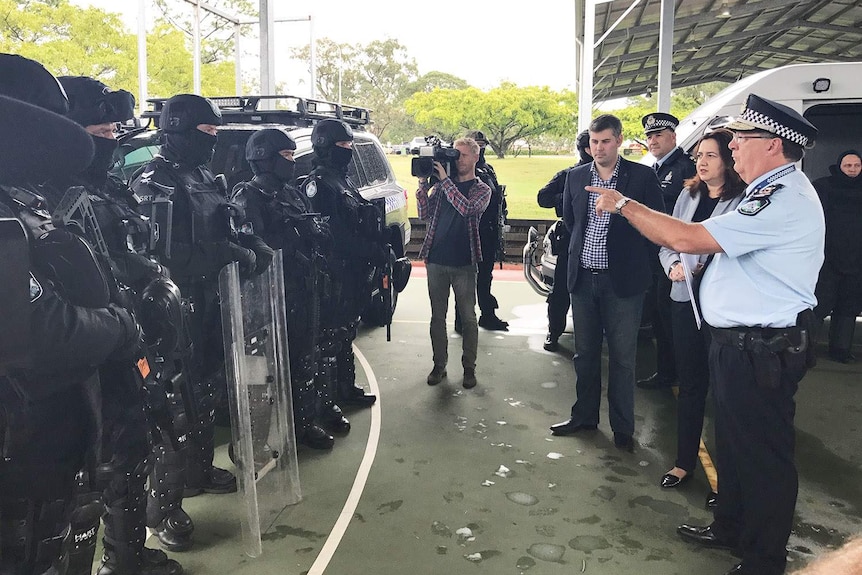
{"x": 505, "y": 114}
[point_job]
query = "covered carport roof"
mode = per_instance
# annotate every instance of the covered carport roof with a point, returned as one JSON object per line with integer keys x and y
{"x": 720, "y": 40}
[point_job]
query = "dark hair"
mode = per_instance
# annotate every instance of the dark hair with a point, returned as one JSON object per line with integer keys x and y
{"x": 733, "y": 184}
{"x": 605, "y": 122}
{"x": 792, "y": 151}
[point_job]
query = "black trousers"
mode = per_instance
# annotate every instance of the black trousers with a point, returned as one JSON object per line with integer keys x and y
{"x": 755, "y": 441}
{"x": 692, "y": 368}
{"x": 662, "y": 327}
{"x": 559, "y": 299}
{"x": 487, "y": 302}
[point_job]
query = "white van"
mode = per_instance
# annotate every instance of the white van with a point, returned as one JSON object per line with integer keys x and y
{"x": 829, "y": 95}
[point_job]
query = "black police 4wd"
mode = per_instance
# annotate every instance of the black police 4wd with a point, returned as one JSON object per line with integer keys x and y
{"x": 369, "y": 169}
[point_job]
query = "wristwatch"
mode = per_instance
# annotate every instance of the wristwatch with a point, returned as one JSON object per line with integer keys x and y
{"x": 621, "y": 203}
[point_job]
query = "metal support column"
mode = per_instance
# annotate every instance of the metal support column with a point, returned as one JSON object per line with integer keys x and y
{"x": 665, "y": 55}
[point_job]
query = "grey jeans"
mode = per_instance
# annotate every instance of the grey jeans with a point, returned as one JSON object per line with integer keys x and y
{"x": 462, "y": 280}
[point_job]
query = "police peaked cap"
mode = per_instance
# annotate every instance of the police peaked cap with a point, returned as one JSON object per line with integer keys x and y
{"x": 658, "y": 121}
{"x": 185, "y": 112}
{"x": 91, "y": 102}
{"x": 762, "y": 114}
{"x": 327, "y": 132}
{"x": 28, "y": 80}
{"x": 477, "y": 135}
{"x": 267, "y": 143}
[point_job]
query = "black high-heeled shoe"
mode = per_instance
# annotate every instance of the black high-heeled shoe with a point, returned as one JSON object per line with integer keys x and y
{"x": 669, "y": 480}
{"x": 712, "y": 500}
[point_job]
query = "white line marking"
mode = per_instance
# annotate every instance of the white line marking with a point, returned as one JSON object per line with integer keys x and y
{"x": 340, "y": 527}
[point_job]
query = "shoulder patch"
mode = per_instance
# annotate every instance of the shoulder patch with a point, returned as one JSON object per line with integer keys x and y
{"x": 766, "y": 191}
{"x": 753, "y": 206}
{"x": 311, "y": 189}
{"x": 35, "y": 288}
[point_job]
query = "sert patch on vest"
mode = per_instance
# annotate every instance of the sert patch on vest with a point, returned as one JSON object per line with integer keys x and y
{"x": 311, "y": 189}
{"x": 753, "y": 206}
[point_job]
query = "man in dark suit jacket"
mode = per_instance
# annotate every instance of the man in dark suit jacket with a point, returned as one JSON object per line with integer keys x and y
{"x": 673, "y": 166}
{"x": 610, "y": 269}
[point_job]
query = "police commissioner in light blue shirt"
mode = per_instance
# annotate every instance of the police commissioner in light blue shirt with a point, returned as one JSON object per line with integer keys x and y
{"x": 771, "y": 258}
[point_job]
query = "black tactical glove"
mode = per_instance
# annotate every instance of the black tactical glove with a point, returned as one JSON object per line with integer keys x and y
{"x": 131, "y": 344}
{"x": 262, "y": 252}
{"x": 246, "y": 259}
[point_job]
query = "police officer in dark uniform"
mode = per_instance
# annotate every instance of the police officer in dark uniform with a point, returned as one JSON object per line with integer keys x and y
{"x": 491, "y": 228}
{"x": 195, "y": 243}
{"x": 49, "y": 390}
{"x": 757, "y": 296}
{"x": 279, "y": 213}
{"x": 551, "y": 196}
{"x": 117, "y": 493}
{"x": 673, "y": 166}
{"x": 357, "y": 250}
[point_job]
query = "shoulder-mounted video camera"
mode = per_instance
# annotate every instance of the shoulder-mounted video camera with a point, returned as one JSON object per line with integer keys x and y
{"x": 423, "y": 166}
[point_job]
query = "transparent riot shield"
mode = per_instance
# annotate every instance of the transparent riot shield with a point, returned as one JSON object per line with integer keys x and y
{"x": 256, "y": 364}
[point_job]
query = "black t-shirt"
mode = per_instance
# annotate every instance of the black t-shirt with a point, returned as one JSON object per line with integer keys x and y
{"x": 704, "y": 208}
{"x": 451, "y": 245}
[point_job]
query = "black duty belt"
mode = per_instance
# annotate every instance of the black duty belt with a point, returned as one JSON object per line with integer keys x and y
{"x": 793, "y": 339}
{"x": 595, "y": 270}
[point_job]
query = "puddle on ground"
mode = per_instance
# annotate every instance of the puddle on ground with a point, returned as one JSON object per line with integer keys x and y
{"x": 662, "y": 506}
{"x": 442, "y": 550}
{"x": 440, "y": 529}
{"x": 591, "y": 520}
{"x": 588, "y": 543}
{"x": 621, "y": 470}
{"x": 614, "y": 479}
{"x": 821, "y": 535}
{"x": 282, "y": 531}
{"x": 543, "y": 512}
{"x": 525, "y": 563}
{"x": 451, "y": 496}
{"x": 390, "y": 507}
{"x": 547, "y": 552}
{"x": 522, "y": 498}
{"x": 546, "y": 530}
{"x": 604, "y": 492}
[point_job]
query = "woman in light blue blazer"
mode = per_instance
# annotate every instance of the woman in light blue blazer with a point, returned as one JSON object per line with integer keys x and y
{"x": 715, "y": 189}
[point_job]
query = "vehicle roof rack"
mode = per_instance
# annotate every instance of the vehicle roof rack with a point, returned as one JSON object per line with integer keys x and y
{"x": 280, "y": 109}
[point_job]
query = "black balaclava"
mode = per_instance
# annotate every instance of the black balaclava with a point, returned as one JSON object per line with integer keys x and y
{"x": 262, "y": 152}
{"x": 183, "y": 142}
{"x": 323, "y": 138}
{"x": 92, "y": 103}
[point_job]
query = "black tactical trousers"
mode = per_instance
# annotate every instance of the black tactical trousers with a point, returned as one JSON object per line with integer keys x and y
{"x": 559, "y": 299}
{"x": 755, "y": 443}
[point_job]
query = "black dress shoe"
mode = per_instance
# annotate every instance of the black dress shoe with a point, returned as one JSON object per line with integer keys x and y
{"x": 704, "y": 536}
{"x": 551, "y": 343}
{"x": 355, "y": 395}
{"x": 570, "y": 428}
{"x": 624, "y": 441}
{"x": 656, "y": 381}
{"x": 316, "y": 437}
{"x": 669, "y": 480}
{"x": 493, "y": 323}
{"x": 712, "y": 500}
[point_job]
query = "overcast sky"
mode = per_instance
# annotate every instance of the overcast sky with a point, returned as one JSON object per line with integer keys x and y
{"x": 482, "y": 41}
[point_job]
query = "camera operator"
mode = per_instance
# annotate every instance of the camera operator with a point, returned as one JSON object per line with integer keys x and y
{"x": 451, "y": 250}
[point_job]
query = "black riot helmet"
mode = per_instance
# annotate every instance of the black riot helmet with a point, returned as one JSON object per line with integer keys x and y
{"x": 91, "y": 102}
{"x": 323, "y": 139}
{"x": 583, "y": 146}
{"x": 27, "y": 80}
{"x": 262, "y": 152}
{"x": 185, "y": 112}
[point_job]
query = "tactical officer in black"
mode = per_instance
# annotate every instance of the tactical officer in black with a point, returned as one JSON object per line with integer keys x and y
{"x": 551, "y": 196}
{"x": 279, "y": 213}
{"x": 356, "y": 225}
{"x": 49, "y": 387}
{"x": 117, "y": 493}
{"x": 491, "y": 229}
{"x": 195, "y": 241}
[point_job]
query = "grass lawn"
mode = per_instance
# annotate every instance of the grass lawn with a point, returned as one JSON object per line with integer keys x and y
{"x": 522, "y": 176}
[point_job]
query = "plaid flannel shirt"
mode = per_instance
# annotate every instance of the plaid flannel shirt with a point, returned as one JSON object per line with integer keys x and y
{"x": 471, "y": 207}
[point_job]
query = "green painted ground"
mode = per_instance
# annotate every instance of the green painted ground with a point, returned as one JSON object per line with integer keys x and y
{"x": 522, "y": 176}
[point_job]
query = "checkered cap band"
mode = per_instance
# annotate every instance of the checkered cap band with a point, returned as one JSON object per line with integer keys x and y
{"x": 753, "y": 120}
{"x": 660, "y": 124}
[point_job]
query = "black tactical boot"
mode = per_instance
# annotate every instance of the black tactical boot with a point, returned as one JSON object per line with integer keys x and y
{"x": 347, "y": 392}
{"x": 315, "y": 437}
{"x": 332, "y": 418}
{"x": 201, "y": 475}
{"x": 145, "y": 562}
{"x": 175, "y": 531}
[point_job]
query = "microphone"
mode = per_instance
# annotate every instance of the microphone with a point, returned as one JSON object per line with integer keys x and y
{"x": 37, "y": 145}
